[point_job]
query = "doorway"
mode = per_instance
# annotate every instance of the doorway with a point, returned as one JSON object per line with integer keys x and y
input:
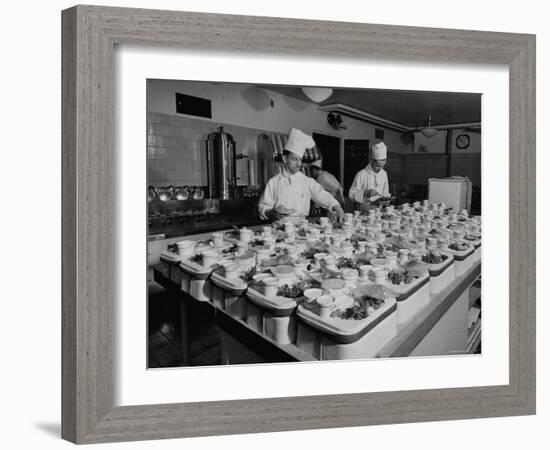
{"x": 329, "y": 147}
{"x": 356, "y": 157}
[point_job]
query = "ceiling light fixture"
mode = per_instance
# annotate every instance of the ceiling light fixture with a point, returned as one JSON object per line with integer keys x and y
{"x": 317, "y": 94}
{"x": 429, "y": 131}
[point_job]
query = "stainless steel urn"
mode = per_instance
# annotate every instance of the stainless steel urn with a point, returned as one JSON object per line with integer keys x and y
{"x": 221, "y": 160}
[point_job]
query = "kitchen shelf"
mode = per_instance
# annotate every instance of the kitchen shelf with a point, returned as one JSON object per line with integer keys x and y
{"x": 474, "y": 338}
{"x": 474, "y": 314}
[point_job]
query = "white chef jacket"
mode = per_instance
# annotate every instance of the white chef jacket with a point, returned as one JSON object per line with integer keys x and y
{"x": 367, "y": 179}
{"x": 294, "y": 192}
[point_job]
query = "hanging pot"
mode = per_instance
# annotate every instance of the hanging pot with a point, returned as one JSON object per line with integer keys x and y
{"x": 182, "y": 193}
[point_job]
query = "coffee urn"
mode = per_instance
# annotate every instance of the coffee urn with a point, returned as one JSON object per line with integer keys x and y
{"x": 221, "y": 160}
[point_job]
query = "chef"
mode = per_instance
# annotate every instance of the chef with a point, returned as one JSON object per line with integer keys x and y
{"x": 288, "y": 194}
{"x": 371, "y": 183}
{"x": 327, "y": 180}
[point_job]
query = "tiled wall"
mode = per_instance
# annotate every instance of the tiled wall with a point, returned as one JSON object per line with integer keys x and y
{"x": 416, "y": 168}
{"x": 176, "y": 154}
{"x": 176, "y": 149}
{"x": 469, "y": 165}
{"x": 396, "y": 167}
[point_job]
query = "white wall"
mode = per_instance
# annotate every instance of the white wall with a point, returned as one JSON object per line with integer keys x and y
{"x": 434, "y": 144}
{"x": 438, "y": 142}
{"x": 249, "y": 106}
{"x": 31, "y": 386}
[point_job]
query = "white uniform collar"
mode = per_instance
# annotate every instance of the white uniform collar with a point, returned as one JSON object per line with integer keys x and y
{"x": 285, "y": 173}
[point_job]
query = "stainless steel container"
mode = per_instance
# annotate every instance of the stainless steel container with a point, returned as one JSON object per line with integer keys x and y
{"x": 221, "y": 160}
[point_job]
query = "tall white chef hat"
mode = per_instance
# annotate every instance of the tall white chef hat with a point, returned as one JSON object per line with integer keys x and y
{"x": 298, "y": 142}
{"x": 379, "y": 151}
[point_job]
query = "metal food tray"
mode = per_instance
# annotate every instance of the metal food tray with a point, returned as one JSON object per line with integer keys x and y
{"x": 404, "y": 291}
{"x": 345, "y": 331}
{"x": 278, "y": 305}
{"x": 171, "y": 257}
{"x": 463, "y": 254}
{"x": 198, "y": 271}
{"x": 236, "y": 286}
{"x": 437, "y": 269}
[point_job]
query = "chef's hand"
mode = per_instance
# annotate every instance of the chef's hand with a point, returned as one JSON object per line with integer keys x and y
{"x": 370, "y": 193}
{"x": 273, "y": 215}
{"x": 278, "y": 213}
{"x": 339, "y": 213}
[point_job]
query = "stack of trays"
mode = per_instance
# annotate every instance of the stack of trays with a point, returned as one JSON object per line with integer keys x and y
{"x": 477, "y": 245}
{"x": 195, "y": 280}
{"x": 229, "y": 295}
{"x": 411, "y": 297}
{"x": 170, "y": 267}
{"x": 272, "y": 316}
{"x": 442, "y": 274}
{"x": 183, "y": 273}
{"x": 332, "y": 338}
{"x": 463, "y": 259}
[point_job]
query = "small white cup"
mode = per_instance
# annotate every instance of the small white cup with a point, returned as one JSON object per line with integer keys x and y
{"x": 217, "y": 238}
{"x": 334, "y": 287}
{"x": 185, "y": 248}
{"x": 231, "y": 271}
{"x": 325, "y": 303}
{"x": 209, "y": 258}
{"x": 364, "y": 270}
{"x": 379, "y": 275}
{"x": 245, "y": 235}
{"x": 443, "y": 244}
{"x": 270, "y": 287}
{"x": 330, "y": 262}
{"x": 300, "y": 267}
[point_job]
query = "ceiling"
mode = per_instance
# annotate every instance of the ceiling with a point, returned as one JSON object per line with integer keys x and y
{"x": 409, "y": 108}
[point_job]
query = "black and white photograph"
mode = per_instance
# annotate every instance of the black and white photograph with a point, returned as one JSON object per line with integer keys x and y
{"x": 275, "y": 225}
{"x": 305, "y": 223}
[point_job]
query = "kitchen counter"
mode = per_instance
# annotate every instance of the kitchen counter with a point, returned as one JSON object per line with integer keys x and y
{"x": 206, "y": 225}
{"x": 174, "y": 218}
{"x": 243, "y": 336}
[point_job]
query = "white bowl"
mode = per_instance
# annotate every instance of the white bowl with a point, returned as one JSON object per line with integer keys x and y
{"x": 313, "y": 294}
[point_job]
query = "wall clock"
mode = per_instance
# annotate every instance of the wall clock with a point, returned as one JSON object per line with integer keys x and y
{"x": 462, "y": 141}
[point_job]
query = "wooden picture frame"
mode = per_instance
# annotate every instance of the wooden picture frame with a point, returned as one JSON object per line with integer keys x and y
{"x": 89, "y": 36}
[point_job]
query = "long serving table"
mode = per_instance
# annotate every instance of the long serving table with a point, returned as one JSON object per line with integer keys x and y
{"x": 440, "y": 328}
{"x": 246, "y": 345}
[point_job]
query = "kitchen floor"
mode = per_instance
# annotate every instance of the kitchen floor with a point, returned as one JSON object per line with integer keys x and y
{"x": 165, "y": 337}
